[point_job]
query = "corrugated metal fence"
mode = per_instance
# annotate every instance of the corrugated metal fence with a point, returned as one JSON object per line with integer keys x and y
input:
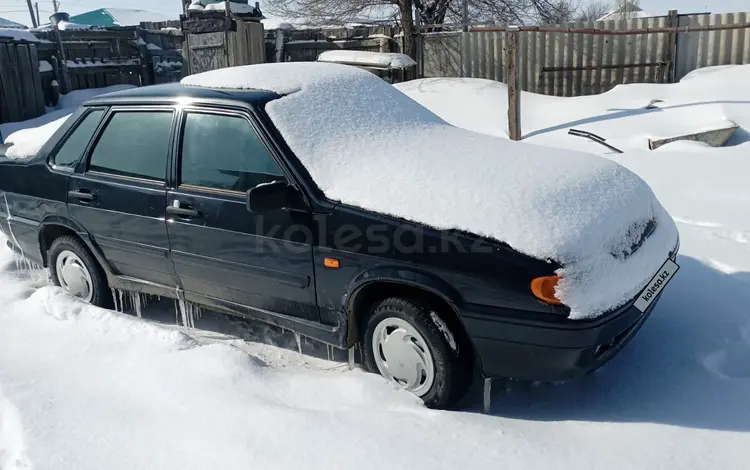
{"x": 704, "y": 49}
{"x": 573, "y": 64}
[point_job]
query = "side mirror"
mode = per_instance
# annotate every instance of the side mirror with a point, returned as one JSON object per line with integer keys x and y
{"x": 269, "y": 196}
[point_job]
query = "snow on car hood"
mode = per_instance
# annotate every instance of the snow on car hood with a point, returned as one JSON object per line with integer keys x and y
{"x": 367, "y": 144}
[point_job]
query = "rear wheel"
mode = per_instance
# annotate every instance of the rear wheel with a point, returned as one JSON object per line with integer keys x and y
{"x": 408, "y": 343}
{"x": 74, "y": 269}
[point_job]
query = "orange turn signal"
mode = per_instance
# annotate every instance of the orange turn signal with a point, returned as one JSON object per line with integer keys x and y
{"x": 331, "y": 263}
{"x": 543, "y": 288}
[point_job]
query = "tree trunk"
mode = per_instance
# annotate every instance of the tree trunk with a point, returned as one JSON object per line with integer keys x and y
{"x": 407, "y": 26}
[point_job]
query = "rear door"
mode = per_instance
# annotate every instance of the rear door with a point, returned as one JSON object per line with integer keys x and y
{"x": 220, "y": 250}
{"x": 118, "y": 193}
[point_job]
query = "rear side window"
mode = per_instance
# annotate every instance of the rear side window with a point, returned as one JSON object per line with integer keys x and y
{"x": 134, "y": 144}
{"x": 76, "y": 143}
{"x": 224, "y": 152}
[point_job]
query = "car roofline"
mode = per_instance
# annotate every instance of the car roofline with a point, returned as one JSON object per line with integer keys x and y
{"x": 175, "y": 93}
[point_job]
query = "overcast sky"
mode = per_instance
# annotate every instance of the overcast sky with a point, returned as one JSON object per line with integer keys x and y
{"x": 16, "y": 10}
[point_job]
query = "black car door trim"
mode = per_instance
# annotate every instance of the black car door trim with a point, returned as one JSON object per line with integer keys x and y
{"x": 295, "y": 280}
{"x": 154, "y": 182}
{"x": 127, "y": 245}
{"x": 207, "y": 189}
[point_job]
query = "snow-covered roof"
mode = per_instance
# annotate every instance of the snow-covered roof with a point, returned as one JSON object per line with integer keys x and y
{"x": 66, "y": 26}
{"x": 6, "y": 23}
{"x": 381, "y": 59}
{"x": 367, "y": 16}
{"x": 18, "y": 34}
{"x": 234, "y": 7}
{"x": 368, "y": 145}
{"x": 134, "y": 17}
{"x": 277, "y": 23}
{"x": 626, "y": 12}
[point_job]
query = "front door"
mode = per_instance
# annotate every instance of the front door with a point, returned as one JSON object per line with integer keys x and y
{"x": 221, "y": 251}
{"x": 118, "y": 194}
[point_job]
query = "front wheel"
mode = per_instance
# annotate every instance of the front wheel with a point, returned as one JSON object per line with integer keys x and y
{"x": 74, "y": 269}
{"x": 408, "y": 343}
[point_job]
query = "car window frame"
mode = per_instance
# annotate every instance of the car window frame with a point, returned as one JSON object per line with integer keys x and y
{"x": 83, "y": 164}
{"x": 238, "y": 113}
{"x": 69, "y": 133}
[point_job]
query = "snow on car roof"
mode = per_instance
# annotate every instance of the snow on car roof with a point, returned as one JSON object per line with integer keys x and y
{"x": 383, "y": 59}
{"x": 368, "y": 145}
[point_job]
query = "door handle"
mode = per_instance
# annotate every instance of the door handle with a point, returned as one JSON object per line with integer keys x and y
{"x": 182, "y": 211}
{"x": 83, "y": 195}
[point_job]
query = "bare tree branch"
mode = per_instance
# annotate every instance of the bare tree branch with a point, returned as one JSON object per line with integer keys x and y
{"x": 593, "y": 11}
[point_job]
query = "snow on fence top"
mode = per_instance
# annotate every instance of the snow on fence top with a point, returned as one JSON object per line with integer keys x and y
{"x": 391, "y": 60}
{"x": 368, "y": 145}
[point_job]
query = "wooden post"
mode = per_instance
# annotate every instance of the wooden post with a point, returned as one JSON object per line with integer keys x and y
{"x": 514, "y": 83}
{"x": 228, "y": 35}
{"x": 147, "y": 69}
{"x": 279, "y": 46}
{"x": 670, "y": 48}
{"x": 31, "y": 12}
{"x": 65, "y": 86}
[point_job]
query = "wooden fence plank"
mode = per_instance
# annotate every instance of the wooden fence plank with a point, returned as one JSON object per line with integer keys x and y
{"x": 18, "y": 84}
{"x": 8, "y": 77}
{"x": 37, "y": 80}
{"x": 3, "y": 103}
{"x": 28, "y": 108}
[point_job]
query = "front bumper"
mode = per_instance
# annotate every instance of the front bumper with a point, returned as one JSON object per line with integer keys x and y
{"x": 554, "y": 353}
{"x": 526, "y": 346}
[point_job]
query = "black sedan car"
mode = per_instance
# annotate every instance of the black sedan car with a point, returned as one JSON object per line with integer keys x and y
{"x": 318, "y": 198}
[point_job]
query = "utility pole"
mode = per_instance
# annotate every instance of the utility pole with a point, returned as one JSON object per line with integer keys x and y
{"x": 55, "y": 5}
{"x": 31, "y": 12}
{"x": 38, "y": 18}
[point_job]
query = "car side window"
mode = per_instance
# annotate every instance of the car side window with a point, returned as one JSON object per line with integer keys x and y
{"x": 74, "y": 146}
{"x": 224, "y": 152}
{"x": 135, "y": 144}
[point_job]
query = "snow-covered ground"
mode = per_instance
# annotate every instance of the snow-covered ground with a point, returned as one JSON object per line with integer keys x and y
{"x": 83, "y": 388}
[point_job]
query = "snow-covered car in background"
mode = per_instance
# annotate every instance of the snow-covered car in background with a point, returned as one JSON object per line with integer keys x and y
{"x": 318, "y": 198}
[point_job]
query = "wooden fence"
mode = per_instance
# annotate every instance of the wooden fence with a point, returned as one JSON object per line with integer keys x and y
{"x": 513, "y": 55}
{"x": 590, "y": 58}
{"x": 33, "y": 74}
{"x": 21, "y": 95}
{"x": 305, "y": 45}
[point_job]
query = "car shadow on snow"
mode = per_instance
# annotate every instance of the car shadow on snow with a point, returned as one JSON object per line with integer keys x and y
{"x": 688, "y": 366}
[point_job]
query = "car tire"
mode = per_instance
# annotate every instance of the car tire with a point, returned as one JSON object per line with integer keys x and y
{"x": 403, "y": 338}
{"x": 73, "y": 268}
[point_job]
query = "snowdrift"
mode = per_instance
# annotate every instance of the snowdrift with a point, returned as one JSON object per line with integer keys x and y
{"x": 368, "y": 145}
{"x": 703, "y": 98}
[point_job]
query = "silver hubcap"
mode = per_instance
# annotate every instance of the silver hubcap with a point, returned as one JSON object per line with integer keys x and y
{"x": 73, "y": 275}
{"x": 402, "y": 355}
